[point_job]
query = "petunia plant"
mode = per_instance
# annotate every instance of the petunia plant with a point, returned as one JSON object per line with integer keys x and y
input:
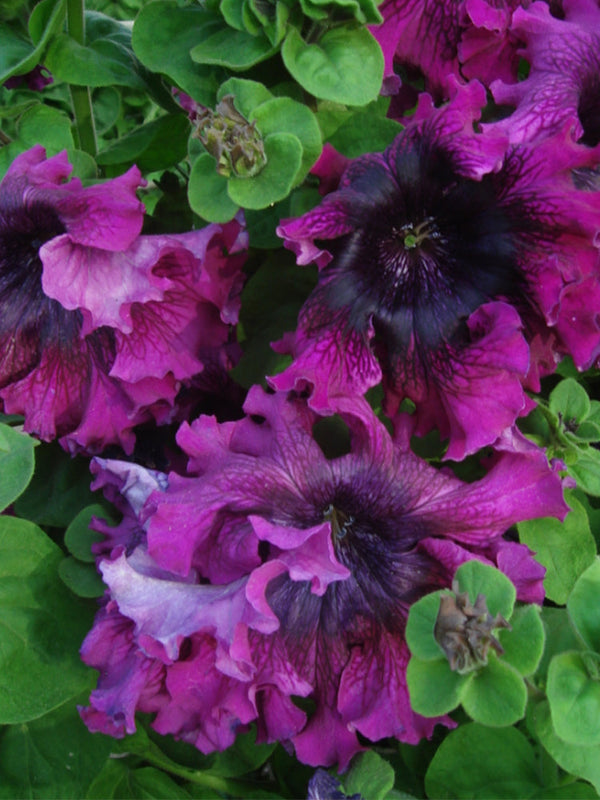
{"x": 299, "y": 399}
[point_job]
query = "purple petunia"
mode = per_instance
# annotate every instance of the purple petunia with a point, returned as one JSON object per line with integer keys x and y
{"x": 101, "y": 327}
{"x": 272, "y": 584}
{"x": 454, "y": 267}
{"x": 446, "y": 39}
{"x": 563, "y": 85}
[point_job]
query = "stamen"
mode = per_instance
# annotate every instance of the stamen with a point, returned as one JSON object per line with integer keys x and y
{"x": 340, "y": 521}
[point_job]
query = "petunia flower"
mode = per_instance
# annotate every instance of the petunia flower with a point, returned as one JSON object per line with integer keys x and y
{"x": 563, "y": 84}
{"x": 453, "y": 267}
{"x": 101, "y": 327}
{"x": 273, "y": 580}
{"x": 452, "y": 39}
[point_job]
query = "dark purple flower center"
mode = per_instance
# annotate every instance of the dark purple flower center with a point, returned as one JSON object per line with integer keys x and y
{"x": 376, "y": 539}
{"x": 588, "y": 110}
{"x": 428, "y": 248}
{"x": 31, "y": 322}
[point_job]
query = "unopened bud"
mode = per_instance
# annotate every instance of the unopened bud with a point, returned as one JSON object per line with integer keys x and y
{"x": 233, "y": 141}
{"x": 465, "y": 631}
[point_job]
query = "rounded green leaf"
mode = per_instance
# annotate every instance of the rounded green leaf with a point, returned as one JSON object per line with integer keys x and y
{"x": 433, "y": 687}
{"x": 207, "y": 191}
{"x": 420, "y": 625}
{"x": 345, "y": 65}
{"x": 586, "y": 470}
{"x": 163, "y": 35}
{"x": 474, "y": 761}
{"x": 565, "y": 548}
{"x": 42, "y": 626}
{"x": 524, "y": 643}
{"x": 369, "y": 776}
{"x": 79, "y": 538}
{"x": 477, "y": 578}
{"x": 365, "y": 132}
{"x": 574, "y": 698}
{"x": 247, "y": 94}
{"x": 584, "y": 606}
{"x": 16, "y": 463}
{"x": 581, "y": 761}
{"x": 570, "y": 400}
{"x": 237, "y": 50}
{"x": 82, "y": 579}
{"x": 496, "y": 696}
{"x": 282, "y": 115}
{"x": 276, "y": 179}
{"x": 47, "y": 126}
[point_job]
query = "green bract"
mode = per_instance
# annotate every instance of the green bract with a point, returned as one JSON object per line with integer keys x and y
{"x": 292, "y": 143}
{"x": 491, "y": 688}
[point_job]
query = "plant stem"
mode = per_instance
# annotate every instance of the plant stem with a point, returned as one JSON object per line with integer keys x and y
{"x": 85, "y": 131}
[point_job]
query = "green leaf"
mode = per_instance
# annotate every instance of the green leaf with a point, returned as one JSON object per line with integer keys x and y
{"x": 41, "y": 626}
{"x": 346, "y": 65}
{"x": 60, "y": 488}
{"x": 584, "y": 607}
{"x": 282, "y": 115}
{"x": 365, "y": 132}
{"x": 276, "y": 179}
{"x": 433, "y": 687}
{"x": 565, "y": 548}
{"x": 81, "y": 579}
{"x": 242, "y": 757}
{"x": 18, "y": 56}
{"x": 474, "y": 761}
{"x": 79, "y": 538}
{"x": 420, "y": 625}
{"x": 54, "y": 756}
{"x": 157, "y": 145}
{"x": 16, "y": 464}
{"x": 369, "y": 776}
{"x": 524, "y": 643}
{"x": 574, "y": 698}
{"x": 581, "y": 761}
{"x": 47, "y": 126}
{"x": 237, "y": 50}
{"x": 560, "y": 636}
{"x": 496, "y": 696}
{"x": 247, "y": 94}
{"x": 363, "y": 11}
{"x": 163, "y": 35}
{"x": 570, "y": 400}
{"x": 106, "y": 60}
{"x": 568, "y": 791}
{"x": 477, "y": 578}
{"x": 586, "y": 470}
{"x": 207, "y": 191}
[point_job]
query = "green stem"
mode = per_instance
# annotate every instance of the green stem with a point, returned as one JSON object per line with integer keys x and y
{"x": 85, "y": 131}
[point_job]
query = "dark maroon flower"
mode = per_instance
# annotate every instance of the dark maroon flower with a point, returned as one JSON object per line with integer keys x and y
{"x": 453, "y": 266}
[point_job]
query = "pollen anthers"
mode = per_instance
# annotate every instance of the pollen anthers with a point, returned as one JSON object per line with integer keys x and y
{"x": 464, "y": 631}
{"x": 340, "y": 521}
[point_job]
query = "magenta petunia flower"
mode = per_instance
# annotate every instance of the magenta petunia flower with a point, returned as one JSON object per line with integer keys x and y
{"x": 274, "y": 580}
{"x": 563, "y": 84}
{"x": 447, "y": 39}
{"x": 101, "y": 327}
{"x": 454, "y": 267}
